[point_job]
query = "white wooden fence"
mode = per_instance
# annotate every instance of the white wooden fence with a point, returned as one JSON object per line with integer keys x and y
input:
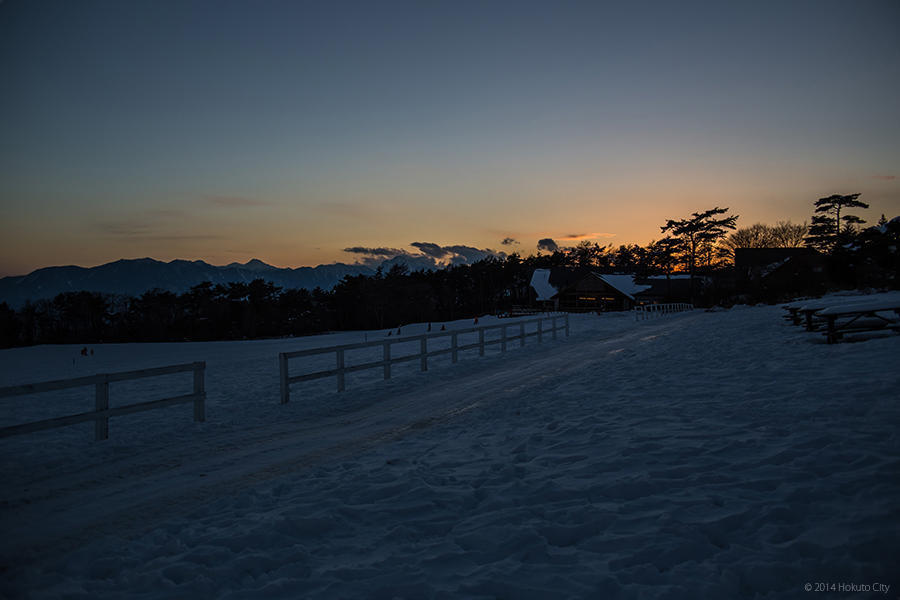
{"x": 341, "y": 369}
{"x": 102, "y": 412}
{"x": 648, "y": 311}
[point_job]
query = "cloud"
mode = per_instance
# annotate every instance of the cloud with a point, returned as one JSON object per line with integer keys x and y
{"x": 389, "y": 252}
{"x": 234, "y": 201}
{"x": 508, "y": 241}
{"x": 577, "y": 237}
{"x": 160, "y": 225}
{"x": 430, "y": 255}
{"x": 885, "y": 177}
{"x": 139, "y": 229}
{"x": 345, "y": 209}
{"x": 468, "y": 254}
{"x": 547, "y": 244}
{"x": 430, "y": 249}
{"x": 124, "y": 228}
{"x": 374, "y": 257}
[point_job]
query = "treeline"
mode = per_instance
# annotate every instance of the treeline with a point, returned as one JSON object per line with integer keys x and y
{"x": 261, "y": 309}
{"x": 700, "y": 244}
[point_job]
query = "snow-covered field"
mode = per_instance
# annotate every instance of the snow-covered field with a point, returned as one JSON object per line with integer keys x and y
{"x": 699, "y": 455}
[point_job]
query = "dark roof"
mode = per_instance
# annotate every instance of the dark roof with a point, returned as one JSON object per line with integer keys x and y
{"x": 563, "y": 277}
{"x": 660, "y": 287}
{"x": 745, "y": 258}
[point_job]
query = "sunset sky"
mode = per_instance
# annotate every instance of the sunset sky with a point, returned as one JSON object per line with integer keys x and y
{"x": 289, "y": 131}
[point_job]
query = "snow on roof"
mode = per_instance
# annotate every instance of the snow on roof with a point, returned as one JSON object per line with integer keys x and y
{"x": 540, "y": 281}
{"x": 624, "y": 283}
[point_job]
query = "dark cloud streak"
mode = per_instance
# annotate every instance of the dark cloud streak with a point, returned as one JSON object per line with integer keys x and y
{"x": 389, "y": 252}
{"x": 430, "y": 249}
{"x": 431, "y": 255}
{"x": 547, "y": 244}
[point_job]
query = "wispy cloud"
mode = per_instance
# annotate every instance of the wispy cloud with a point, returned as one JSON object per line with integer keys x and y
{"x": 142, "y": 230}
{"x": 180, "y": 237}
{"x": 577, "y": 237}
{"x": 123, "y": 228}
{"x": 157, "y": 225}
{"x": 234, "y": 201}
{"x": 885, "y": 177}
{"x": 343, "y": 209}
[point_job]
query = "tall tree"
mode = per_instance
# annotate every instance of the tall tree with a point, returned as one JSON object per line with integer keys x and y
{"x": 587, "y": 254}
{"x": 826, "y": 231}
{"x": 783, "y": 235}
{"x": 789, "y": 235}
{"x": 701, "y": 229}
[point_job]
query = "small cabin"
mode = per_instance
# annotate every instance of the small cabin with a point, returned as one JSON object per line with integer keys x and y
{"x": 584, "y": 290}
{"x": 780, "y": 273}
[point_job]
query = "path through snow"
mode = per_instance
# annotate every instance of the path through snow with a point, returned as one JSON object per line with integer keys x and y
{"x": 703, "y": 455}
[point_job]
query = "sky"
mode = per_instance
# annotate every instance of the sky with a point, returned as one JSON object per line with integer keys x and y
{"x": 292, "y": 131}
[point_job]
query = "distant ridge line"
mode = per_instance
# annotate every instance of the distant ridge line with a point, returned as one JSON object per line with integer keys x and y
{"x": 133, "y": 277}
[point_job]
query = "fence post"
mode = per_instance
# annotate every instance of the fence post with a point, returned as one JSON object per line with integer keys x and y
{"x": 387, "y": 360}
{"x": 481, "y": 342}
{"x": 101, "y": 403}
{"x": 567, "y": 324}
{"x": 454, "y": 353}
{"x": 423, "y": 348}
{"x": 283, "y": 372}
{"x": 200, "y": 391}
{"x": 340, "y": 370}
{"x": 540, "y": 331}
{"x": 503, "y": 338}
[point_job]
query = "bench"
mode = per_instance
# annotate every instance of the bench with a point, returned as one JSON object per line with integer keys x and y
{"x": 860, "y": 316}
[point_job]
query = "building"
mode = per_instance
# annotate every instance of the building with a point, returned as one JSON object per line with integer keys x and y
{"x": 664, "y": 290}
{"x": 775, "y": 274}
{"x": 584, "y": 290}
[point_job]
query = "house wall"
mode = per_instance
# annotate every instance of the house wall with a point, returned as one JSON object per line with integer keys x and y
{"x": 593, "y": 294}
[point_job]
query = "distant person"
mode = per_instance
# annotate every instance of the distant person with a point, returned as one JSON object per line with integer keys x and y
{"x": 84, "y": 351}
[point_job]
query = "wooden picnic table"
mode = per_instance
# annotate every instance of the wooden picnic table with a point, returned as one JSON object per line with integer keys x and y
{"x": 809, "y": 311}
{"x": 856, "y": 314}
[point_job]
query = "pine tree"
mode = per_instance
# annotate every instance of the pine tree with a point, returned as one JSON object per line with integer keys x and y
{"x": 826, "y": 232}
{"x": 699, "y": 230}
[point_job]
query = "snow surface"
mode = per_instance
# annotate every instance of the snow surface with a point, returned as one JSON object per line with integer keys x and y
{"x": 701, "y": 455}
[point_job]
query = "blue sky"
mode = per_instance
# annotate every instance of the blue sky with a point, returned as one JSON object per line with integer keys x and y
{"x": 289, "y": 131}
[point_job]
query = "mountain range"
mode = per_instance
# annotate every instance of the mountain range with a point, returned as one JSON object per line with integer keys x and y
{"x": 133, "y": 277}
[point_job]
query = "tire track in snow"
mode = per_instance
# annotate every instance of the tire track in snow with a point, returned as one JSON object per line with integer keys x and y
{"x": 111, "y": 499}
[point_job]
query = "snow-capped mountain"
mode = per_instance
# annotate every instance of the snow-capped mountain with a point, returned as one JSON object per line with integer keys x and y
{"x": 136, "y": 276}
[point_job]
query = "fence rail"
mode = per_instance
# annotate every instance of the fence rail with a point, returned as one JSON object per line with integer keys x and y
{"x": 102, "y": 412}
{"x": 648, "y": 311}
{"x": 341, "y": 368}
